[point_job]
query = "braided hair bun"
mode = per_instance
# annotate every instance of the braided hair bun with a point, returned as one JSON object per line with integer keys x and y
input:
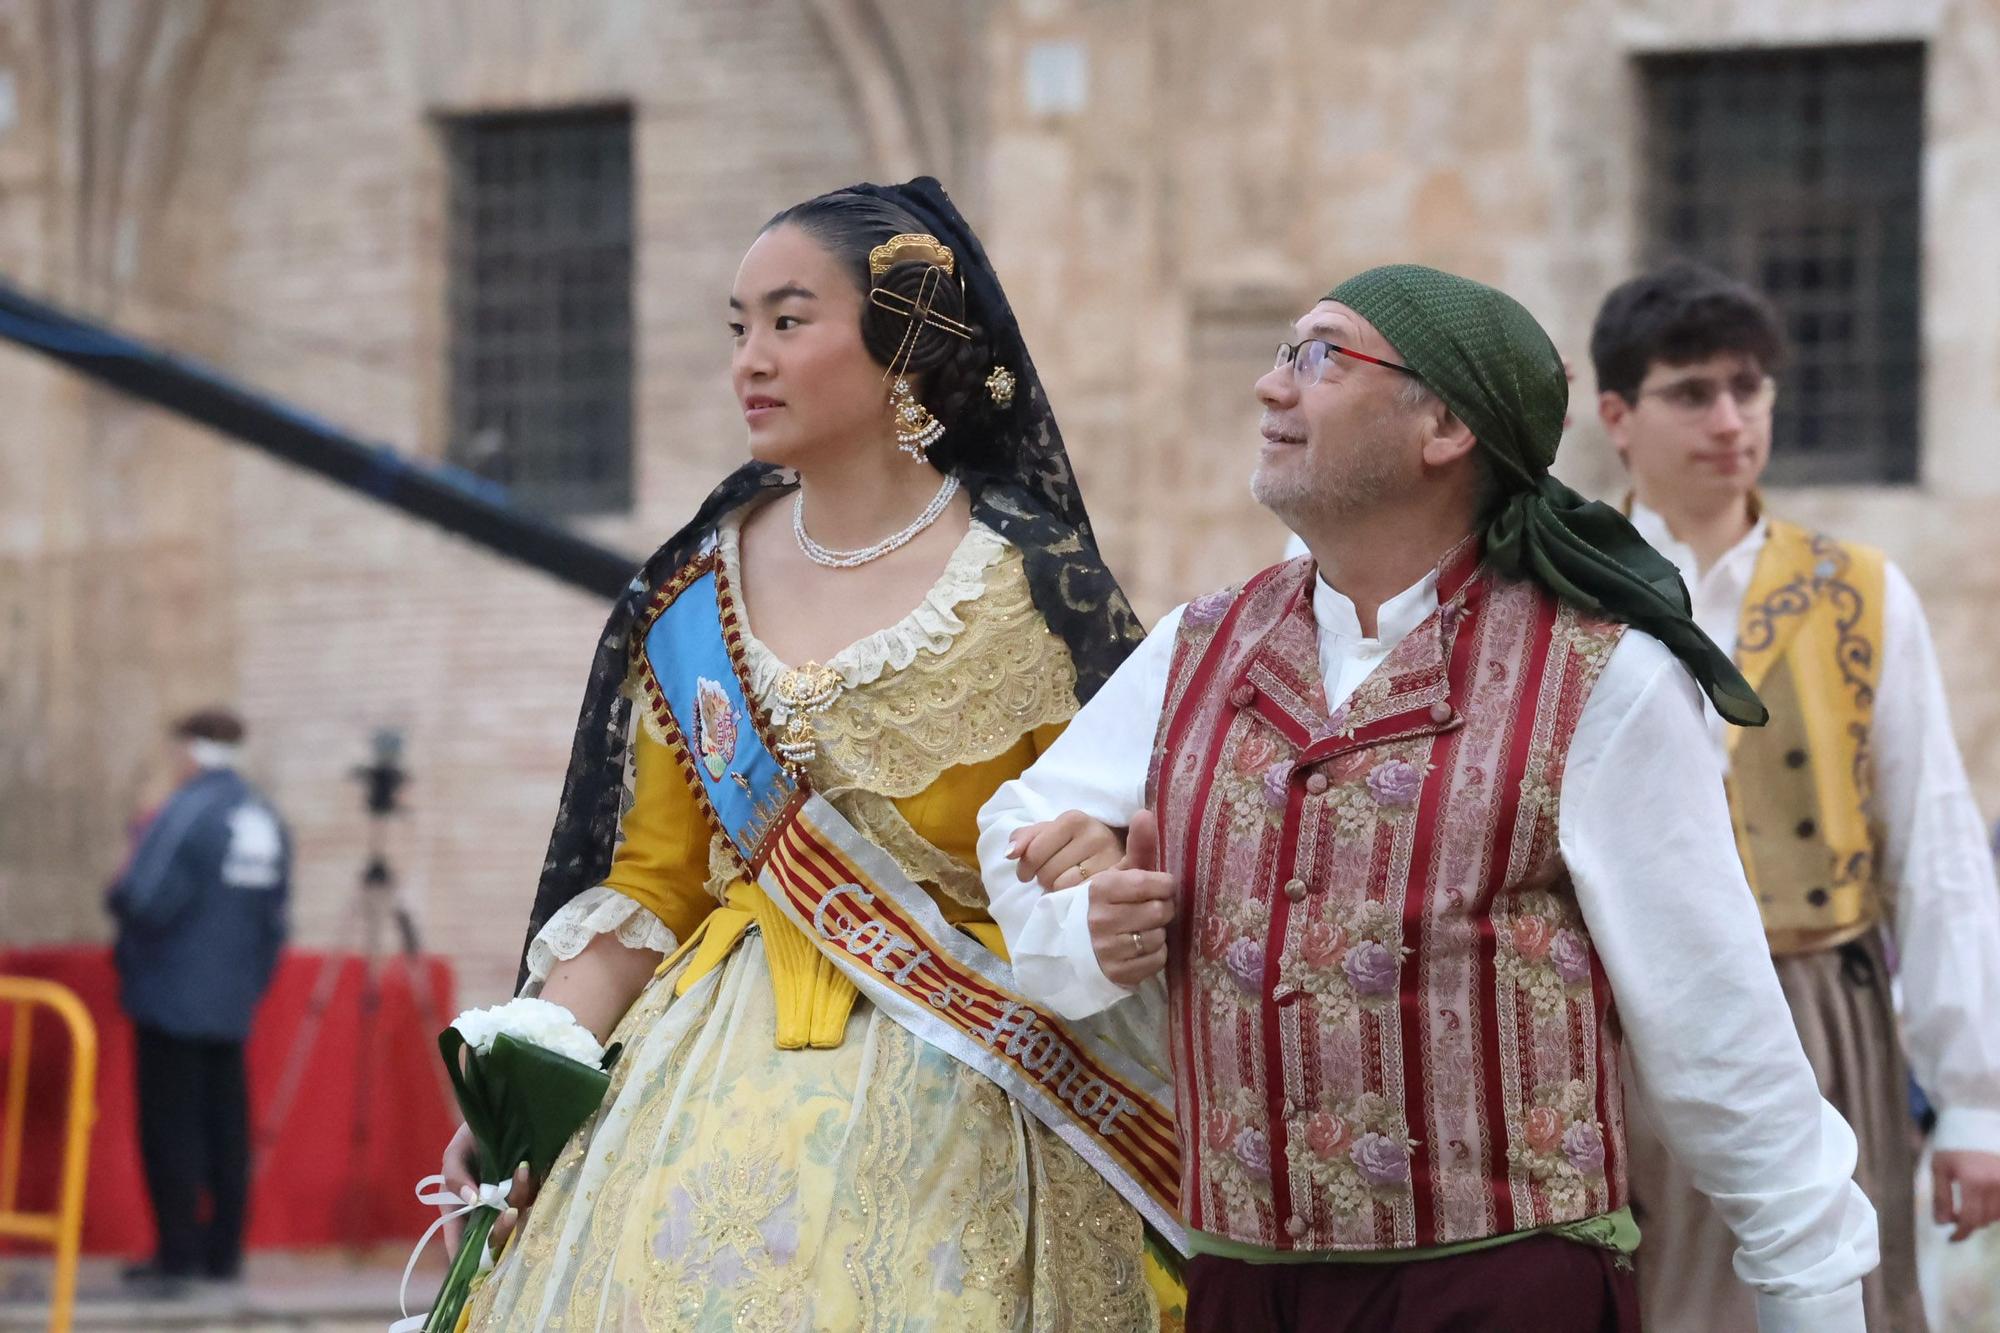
{"x": 950, "y": 370}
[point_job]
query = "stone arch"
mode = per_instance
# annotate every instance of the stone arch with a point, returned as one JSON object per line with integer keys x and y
{"x": 912, "y": 68}
{"x": 132, "y": 94}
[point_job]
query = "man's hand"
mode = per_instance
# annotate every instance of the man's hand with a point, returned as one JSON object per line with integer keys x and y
{"x": 461, "y": 1164}
{"x": 1966, "y": 1191}
{"x": 1065, "y": 851}
{"x": 1131, "y": 906}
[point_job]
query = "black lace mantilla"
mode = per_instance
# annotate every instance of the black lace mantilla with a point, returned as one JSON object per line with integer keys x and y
{"x": 1038, "y": 509}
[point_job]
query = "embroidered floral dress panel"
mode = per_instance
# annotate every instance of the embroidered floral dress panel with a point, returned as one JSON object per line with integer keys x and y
{"x": 867, "y": 1182}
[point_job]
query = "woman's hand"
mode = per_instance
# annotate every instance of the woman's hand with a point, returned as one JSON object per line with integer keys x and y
{"x": 460, "y": 1169}
{"x": 1065, "y": 851}
{"x": 519, "y": 1198}
{"x": 461, "y": 1163}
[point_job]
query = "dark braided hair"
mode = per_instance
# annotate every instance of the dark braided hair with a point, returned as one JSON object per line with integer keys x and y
{"x": 950, "y": 371}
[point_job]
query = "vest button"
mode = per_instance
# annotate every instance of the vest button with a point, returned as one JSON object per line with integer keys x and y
{"x": 1818, "y": 897}
{"x": 1806, "y": 828}
{"x": 1243, "y": 696}
{"x": 1440, "y": 712}
{"x": 1295, "y": 889}
{"x": 1295, "y": 1226}
{"x": 1795, "y": 759}
{"x": 1317, "y": 783}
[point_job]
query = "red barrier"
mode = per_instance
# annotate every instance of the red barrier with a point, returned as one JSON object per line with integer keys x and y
{"x": 326, "y": 1179}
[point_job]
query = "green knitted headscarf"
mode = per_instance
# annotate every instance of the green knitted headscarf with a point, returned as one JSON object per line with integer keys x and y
{"x": 1484, "y": 354}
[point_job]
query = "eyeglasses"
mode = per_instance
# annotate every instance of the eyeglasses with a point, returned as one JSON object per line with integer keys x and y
{"x": 1309, "y": 360}
{"x": 1697, "y": 395}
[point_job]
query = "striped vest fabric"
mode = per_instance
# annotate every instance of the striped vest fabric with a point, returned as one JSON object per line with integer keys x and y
{"x": 1390, "y": 1028}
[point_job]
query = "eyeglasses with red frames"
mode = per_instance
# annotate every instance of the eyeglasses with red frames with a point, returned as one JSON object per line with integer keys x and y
{"x": 1309, "y": 360}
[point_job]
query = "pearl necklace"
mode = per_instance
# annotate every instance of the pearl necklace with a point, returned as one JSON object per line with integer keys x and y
{"x": 821, "y": 555}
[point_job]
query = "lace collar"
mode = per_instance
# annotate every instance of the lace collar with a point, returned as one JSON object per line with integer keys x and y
{"x": 929, "y": 628}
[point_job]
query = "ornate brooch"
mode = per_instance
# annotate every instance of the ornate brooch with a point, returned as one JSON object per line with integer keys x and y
{"x": 805, "y": 692}
{"x": 1000, "y": 387}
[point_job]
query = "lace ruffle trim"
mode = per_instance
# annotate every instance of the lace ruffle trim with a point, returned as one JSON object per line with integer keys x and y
{"x": 594, "y": 912}
{"x": 930, "y": 628}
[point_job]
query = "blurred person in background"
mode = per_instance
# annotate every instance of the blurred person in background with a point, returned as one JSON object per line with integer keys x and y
{"x": 887, "y": 613}
{"x": 200, "y": 911}
{"x": 1852, "y": 813}
{"x": 1960, "y": 1280}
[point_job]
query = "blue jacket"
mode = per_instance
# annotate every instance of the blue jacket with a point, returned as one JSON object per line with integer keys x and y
{"x": 201, "y": 910}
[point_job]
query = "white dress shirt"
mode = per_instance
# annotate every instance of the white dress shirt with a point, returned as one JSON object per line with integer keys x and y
{"x": 1644, "y": 828}
{"x": 1935, "y": 864}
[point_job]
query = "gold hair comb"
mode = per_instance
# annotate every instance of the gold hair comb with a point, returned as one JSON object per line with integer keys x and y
{"x": 910, "y": 246}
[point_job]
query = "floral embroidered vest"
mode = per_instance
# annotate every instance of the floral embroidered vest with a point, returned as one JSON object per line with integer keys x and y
{"x": 1801, "y": 789}
{"x": 1390, "y": 1028}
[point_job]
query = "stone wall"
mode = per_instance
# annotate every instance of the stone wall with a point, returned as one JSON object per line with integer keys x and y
{"x": 1164, "y": 185}
{"x": 297, "y": 242}
{"x": 1219, "y": 173}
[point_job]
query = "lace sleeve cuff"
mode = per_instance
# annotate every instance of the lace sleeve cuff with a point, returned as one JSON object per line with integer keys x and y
{"x": 594, "y": 912}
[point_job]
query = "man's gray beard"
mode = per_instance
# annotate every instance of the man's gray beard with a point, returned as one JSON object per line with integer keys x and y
{"x": 1308, "y": 499}
{"x": 1288, "y": 498}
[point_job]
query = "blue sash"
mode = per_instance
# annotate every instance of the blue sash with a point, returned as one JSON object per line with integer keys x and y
{"x": 693, "y": 680}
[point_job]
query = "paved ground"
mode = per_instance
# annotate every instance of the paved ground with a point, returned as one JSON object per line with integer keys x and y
{"x": 317, "y": 1292}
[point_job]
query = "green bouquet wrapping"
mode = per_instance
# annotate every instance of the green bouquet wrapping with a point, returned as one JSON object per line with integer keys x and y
{"x": 527, "y": 1076}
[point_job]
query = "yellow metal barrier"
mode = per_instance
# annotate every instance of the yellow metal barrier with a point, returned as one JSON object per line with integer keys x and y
{"x": 63, "y": 1228}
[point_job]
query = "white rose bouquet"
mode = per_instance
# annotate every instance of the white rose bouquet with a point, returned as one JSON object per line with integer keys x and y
{"x": 527, "y": 1075}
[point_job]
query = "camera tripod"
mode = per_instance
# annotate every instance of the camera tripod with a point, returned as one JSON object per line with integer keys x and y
{"x": 377, "y": 915}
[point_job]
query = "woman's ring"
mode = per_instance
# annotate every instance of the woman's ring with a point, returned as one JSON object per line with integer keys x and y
{"x": 1138, "y": 945}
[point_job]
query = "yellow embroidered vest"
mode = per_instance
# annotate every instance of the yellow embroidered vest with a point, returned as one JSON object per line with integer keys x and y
{"x": 1801, "y": 788}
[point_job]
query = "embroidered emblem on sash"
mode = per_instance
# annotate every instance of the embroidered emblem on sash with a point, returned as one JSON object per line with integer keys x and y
{"x": 715, "y": 726}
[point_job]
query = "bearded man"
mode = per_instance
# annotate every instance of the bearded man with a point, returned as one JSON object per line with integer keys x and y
{"x": 1440, "y": 836}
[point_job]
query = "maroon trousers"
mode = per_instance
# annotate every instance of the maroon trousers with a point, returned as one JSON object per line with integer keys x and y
{"x": 1544, "y": 1284}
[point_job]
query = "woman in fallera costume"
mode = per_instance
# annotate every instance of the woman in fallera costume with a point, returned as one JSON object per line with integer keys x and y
{"x": 813, "y": 1124}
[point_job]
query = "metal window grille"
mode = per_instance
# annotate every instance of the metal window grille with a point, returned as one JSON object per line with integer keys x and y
{"x": 540, "y": 293}
{"x": 1797, "y": 170}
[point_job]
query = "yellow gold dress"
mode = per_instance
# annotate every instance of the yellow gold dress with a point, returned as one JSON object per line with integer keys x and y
{"x": 775, "y": 1153}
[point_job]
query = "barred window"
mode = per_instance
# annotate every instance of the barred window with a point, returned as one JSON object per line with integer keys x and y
{"x": 1797, "y": 171}
{"x": 540, "y": 292}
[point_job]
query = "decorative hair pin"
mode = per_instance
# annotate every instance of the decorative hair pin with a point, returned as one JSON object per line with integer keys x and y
{"x": 1000, "y": 387}
{"x": 918, "y": 312}
{"x": 916, "y": 429}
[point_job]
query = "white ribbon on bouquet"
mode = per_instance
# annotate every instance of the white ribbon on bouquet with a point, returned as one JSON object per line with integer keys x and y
{"x": 432, "y": 1192}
